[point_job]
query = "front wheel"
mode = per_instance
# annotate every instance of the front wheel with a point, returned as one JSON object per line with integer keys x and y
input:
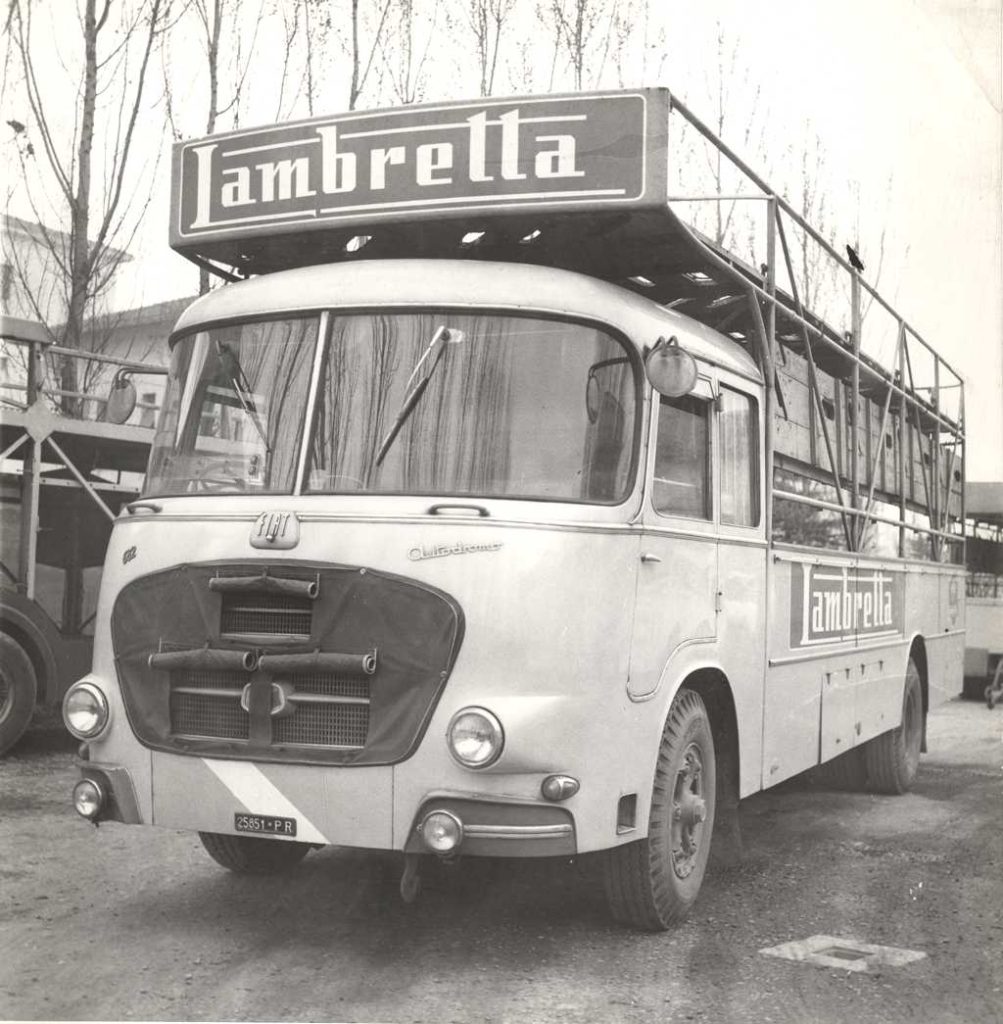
{"x": 18, "y": 690}
{"x": 652, "y": 883}
{"x": 893, "y": 757}
{"x": 249, "y": 855}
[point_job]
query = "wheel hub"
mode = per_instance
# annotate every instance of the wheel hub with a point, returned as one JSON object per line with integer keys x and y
{"x": 689, "y": 811}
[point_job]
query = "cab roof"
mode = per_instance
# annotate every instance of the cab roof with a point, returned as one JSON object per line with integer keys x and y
{"x": 456, "y": 283}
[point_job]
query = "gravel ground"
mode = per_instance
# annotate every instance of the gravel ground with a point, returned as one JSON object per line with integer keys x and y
{"x": 135, "y": 923}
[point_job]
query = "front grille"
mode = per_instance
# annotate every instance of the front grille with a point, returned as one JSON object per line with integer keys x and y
{"x": 243, "y": 614}
{"x": 207, "y": 704}
{"x": 328, "y": 725}
{"x": 209, "y": 716}
{"x": 332, "y": 686}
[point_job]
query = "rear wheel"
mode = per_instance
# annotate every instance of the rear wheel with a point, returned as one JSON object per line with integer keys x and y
{"x": 18, "y": 690}
{"x": 847, "y": 772}
{"x": 652, "y": 883}
{"x": 893, "y": 757}
{"x": 249, "y": 855}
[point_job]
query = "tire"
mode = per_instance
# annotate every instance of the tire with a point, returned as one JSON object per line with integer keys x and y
{"x": 249, "y": 855}
{"x": 847, "y": 772}
{"x": 652, "y": 883}
{"x": 18, "y": 691}
{"x": 893, "y": 758}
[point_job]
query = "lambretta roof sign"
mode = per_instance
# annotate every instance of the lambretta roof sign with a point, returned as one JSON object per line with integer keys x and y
{"x": 359, "y": 168}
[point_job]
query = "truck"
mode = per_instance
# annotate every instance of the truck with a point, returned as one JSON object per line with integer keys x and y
{"x": 65, "y": 473}
{"x": 497, "y": 508}
{"x": 984, "y": 591}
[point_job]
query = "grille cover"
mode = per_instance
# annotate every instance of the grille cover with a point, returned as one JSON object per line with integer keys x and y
{"x": 305, "y": 716}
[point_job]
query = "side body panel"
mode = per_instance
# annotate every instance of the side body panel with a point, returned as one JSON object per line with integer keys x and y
{"x": 840, "y": 632}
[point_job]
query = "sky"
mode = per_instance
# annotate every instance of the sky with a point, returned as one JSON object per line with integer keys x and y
{"x": 904, "y": 96}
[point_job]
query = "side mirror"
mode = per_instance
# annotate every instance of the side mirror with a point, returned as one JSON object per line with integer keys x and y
{"x": 670, "y": 370}
{"x": 121, "y": 400}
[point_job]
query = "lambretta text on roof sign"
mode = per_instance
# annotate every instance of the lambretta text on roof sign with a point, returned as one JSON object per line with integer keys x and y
{"x": 531, "y": 152}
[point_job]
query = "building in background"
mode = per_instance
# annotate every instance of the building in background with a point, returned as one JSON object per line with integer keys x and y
{"x": 32, "y": 282}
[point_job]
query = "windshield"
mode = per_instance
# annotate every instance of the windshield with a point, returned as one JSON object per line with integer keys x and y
{"x": 232, "y": 418}
{"x": 445, "y": 403}
{"x": 433, "y": 402}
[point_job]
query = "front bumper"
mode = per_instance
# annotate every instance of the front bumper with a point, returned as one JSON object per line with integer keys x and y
{"x": 502, "y": 829}
{"x": 351, "y": 808}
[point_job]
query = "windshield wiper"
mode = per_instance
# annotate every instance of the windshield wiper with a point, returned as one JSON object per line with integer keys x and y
{"x": 242, "y": 389}
{"x": 442, "y": 335}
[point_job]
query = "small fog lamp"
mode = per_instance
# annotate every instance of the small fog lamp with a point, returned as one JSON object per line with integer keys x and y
{"x": 475, "y": 737}
{"x": 88, "y": 799}
{"x": 85, "y": 710}
{"x": 671, "y": 370}
{"x": 441, "y": 831}
{"x": 558, "y": 787}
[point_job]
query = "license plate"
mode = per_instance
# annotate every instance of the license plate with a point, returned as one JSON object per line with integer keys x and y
{"x": 263, "y": 824}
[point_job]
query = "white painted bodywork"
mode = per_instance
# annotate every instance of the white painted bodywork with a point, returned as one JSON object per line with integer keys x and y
{"x": 580, "y": 625}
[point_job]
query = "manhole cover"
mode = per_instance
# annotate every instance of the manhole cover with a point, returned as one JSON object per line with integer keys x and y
{"x": 843, "y": 954}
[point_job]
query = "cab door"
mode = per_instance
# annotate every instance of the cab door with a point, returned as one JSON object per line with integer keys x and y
{"x": 741, "y": 564}
{"x": 675, "y": 607}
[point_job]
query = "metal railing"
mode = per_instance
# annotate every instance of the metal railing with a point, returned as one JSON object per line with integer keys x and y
{"x": 37, "y": 377}
{"x": 984, "y": 584}
{"x": 854, "y": 490}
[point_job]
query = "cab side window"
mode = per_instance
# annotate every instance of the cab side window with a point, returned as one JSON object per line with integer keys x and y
{"x": 682, "y": 458}
{"x": 739, "y": 427}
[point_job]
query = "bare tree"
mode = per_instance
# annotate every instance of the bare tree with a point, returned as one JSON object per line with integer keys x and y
{"x": 823, "y": 286}
{"x": 220, "y": 29}
{"x": 583, "y": 30}
{"x": 290, "y": 17}
{"x": 57, "y": 159}
{"x": 653, "y": 44}
{"x": 815, "y": 271}
{"x": 404, "y": 61}
{"x": 363, "y": 65}
{"x": 593, "y": 36}
{"x": 486, "y": 19}
{"x": 731, "y": 78}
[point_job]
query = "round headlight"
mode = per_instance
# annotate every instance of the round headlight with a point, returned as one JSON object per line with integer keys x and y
{"x": 441, "y": 831}
{"x": 85, "y": 710}
{"x": 88, "y": 798}
{"x": 475, "y": 737}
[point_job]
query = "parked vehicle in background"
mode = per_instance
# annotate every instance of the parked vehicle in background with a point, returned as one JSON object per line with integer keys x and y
{"x": 497, "y": 510}
{"x": 984, "y": 586}
{"x": 64, "y": 475}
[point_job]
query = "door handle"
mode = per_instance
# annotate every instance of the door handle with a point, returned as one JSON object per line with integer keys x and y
{"x": 647, "y": 556}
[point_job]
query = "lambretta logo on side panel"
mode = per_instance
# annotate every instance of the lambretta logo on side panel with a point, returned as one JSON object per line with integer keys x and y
{"x": 837, "y": 602}
{"x": 514, "y": 152}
